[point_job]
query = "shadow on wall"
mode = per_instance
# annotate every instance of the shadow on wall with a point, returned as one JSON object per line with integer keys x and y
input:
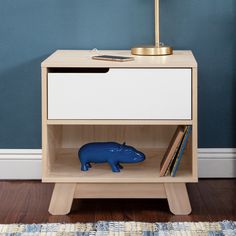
{"x": 20, "y": 96}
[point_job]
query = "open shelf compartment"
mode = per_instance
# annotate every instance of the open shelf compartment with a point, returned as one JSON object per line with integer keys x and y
{"x": 62, "y": 163}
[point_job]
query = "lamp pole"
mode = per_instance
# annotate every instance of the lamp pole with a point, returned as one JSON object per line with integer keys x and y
{"x": 157, "y": 23}
{"x": 157, "y": 49}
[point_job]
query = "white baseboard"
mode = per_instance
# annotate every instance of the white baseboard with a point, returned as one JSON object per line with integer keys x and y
{"x": 20, "y": 163}
{"x": 26, "y": 163}
{"x": 217, "y": 162}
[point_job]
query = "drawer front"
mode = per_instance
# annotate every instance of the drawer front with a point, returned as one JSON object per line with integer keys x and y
{"x": 120, "y": 94}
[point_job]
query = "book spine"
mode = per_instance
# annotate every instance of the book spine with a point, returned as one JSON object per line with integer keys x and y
{"x": 175, "y": 154}
{"x": 181, "y": 151}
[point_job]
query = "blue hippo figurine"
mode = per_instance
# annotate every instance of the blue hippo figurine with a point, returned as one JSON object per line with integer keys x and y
{"x": 111, "y": 152}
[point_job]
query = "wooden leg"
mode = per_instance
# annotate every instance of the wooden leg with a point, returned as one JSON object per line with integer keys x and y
{"x": 178, "y": 199}
{"x": 62, "y": 198}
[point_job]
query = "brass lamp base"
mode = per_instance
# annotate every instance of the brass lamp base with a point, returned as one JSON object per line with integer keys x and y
{"x": 152, "y": 50}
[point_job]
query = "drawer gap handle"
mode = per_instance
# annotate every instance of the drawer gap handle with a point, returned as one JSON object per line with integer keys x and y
{"x": 81, "y": 70}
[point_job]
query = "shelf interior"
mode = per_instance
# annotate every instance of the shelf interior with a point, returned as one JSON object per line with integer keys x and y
{"x": 62, "y": 163}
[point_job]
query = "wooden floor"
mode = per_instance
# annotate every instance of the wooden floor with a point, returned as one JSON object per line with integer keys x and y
{"x": 27, "y": 202}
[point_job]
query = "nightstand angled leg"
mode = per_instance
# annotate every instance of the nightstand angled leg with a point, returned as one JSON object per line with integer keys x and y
{"x": 178, "y": 199}
{"x": 62, "y": 198}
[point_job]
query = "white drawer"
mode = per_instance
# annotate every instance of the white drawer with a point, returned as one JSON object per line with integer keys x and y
{"x": 120, "y": 94}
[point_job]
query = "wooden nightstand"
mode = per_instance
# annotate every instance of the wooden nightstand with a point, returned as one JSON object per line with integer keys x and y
{"x": 140, "y": 102}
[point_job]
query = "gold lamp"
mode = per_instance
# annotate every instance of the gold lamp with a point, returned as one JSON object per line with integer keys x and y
{"x": 154, "y": 50}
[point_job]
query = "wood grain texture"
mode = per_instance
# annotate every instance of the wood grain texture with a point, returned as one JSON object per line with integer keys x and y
{"x": 45, "y": 160}
{"x": 195, "y": 122}
{"x": 120, "y": 191}
{"x": 82, "y": 58}
{"x": 139, "y": 136}
{"x": 62, "y": 198}
{"x": 28, "y": 201}
{"x": 54, "y": 137}
{"x": 178, "y": 199}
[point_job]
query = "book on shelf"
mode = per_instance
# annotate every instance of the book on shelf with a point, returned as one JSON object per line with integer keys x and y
{"x": 176, "y": 161}
{"x": 171, "y": 150}
{"x": 175, "y": 154}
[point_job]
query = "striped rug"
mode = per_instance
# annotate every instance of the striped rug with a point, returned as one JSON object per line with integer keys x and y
{"x": 110, "y": 228}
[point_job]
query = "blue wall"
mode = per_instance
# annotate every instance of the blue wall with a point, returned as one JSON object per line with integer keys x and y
{"x": 31, "y": 30}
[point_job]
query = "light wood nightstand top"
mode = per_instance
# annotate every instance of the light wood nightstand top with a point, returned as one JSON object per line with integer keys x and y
{"x": 82, "y": 58}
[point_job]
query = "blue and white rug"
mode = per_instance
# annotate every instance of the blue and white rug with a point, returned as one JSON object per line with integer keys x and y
{"x": 114, "y": 228}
